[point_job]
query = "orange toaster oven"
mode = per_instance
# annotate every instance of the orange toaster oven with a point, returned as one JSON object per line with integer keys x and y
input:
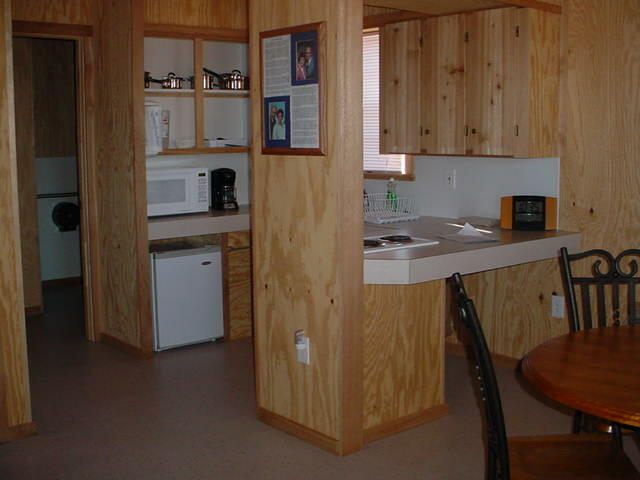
{"x": 528, "y": 212}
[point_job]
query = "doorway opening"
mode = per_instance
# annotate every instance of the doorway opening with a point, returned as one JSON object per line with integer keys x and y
{"x": 51, "y": 156}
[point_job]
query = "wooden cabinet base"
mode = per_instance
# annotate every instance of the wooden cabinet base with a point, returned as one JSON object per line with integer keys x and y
{"x": 236, "y": 267}
{"x": 403, "y": 356}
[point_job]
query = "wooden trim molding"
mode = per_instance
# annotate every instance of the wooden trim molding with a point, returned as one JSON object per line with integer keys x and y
{"x": 33, "y": 310}
{"x": 410, "y": 421}
{"x": 125, "y": 347}
{"x": 22, "y": 28}
{"x": 547, "y": 7}
{"x": 380, "y": 20}
{"x": 458, "y": 350}
{"x": 17, "y": 432}
{"x": 299, "y": 431}
{"x": 191, "y": 32}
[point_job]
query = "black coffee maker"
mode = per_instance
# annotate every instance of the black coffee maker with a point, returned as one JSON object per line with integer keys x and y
{"x": 223, "y": 189}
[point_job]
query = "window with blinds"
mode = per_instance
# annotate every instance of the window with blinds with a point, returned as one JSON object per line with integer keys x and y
{"x": 372, "y": 159}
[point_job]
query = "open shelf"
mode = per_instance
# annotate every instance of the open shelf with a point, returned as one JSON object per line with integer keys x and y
{"x": 195, "y": 151}
{"x": 227, "y": 93}
{"x": 169, "y": 92}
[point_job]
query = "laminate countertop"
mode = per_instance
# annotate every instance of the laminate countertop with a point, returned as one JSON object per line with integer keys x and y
{"x": 424, "y": 264}
{"x": 200, "y": 223}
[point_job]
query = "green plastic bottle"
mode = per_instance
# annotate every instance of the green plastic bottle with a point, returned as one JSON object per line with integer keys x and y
{"x": 392, "y": 196}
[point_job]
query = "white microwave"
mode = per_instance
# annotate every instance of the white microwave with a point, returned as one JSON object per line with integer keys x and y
{"x": 174, "y": 191}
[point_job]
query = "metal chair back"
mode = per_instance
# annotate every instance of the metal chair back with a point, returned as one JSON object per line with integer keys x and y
{"x": 608, "y": 294}
{"x": 497, "y": 449}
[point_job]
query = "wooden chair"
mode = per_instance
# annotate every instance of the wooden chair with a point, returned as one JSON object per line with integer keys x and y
{"x": 607, "y": 297}
{"x": 562, "y": 457}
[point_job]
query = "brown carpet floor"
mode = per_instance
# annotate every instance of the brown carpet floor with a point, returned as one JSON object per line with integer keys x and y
{"x": 190, "y": 414}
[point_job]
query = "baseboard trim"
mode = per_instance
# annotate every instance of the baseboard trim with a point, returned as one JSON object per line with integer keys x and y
{"x": 56, "y": 282}
{"x": 125, "y": 347}
{"x": 405, "y": 423}
{"x": 501, "y": 360}
{"x": 17, "y": 432}
{"x": 299, "y": 431}
{"x": 33, "y": 311}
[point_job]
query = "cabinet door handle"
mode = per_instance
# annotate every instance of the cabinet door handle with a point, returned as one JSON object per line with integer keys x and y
{"x": 206, "y": 263}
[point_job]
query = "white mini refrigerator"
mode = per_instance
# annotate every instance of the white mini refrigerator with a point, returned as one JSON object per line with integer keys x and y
{"x": 187, "y": 297}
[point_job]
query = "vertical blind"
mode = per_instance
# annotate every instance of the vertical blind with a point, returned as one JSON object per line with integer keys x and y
{"x": 372, "y": 159}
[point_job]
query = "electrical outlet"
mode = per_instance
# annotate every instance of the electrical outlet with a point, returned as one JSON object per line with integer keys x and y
{"x": 302, "y": 347}
{"x": 557, "y": 306}
{"x": 450, "y": 179}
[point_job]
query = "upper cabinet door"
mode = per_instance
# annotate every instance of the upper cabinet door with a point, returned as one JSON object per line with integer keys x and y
{"x": 491, "y": 96}
{"x": 400, "y": 90}
{"x": 443, "y": 74}
{"x": 537, "y": 83}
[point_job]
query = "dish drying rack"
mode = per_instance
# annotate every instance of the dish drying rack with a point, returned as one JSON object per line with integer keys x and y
{"x": 379, "y": 209}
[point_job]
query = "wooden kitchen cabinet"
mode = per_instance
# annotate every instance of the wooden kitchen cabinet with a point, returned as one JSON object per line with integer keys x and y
{"x": 489, "y": 85}
{"x": 512, "y": 82}
{"x": 400, "y": 90}
{"x": 443, "y": 85}
{"x": 490, "y": 82}
{"x": 238, "y": 305}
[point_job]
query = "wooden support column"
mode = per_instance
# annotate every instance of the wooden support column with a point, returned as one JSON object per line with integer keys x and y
{"x": 14, "y": 375}
{"x": 307, "y": 236}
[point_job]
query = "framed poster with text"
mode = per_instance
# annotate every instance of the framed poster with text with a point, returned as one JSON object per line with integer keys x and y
{"x": 292, "y": 69}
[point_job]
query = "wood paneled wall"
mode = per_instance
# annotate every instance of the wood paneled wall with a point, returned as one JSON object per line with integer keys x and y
{"x": 599, "y": 177}
{"x": 13, "y": 344}
{"x": 121, "y": 168}
{"x": 306, "y": 237}
{"x": 56, "y": 11}
{"x": 54, "y": 88}
{"x": 25, "y": 160}
{"x": 227, "y": 14}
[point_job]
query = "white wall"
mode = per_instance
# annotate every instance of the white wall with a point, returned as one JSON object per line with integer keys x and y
{"x": 237, "y": 161}
{"x": 480, "y": 182}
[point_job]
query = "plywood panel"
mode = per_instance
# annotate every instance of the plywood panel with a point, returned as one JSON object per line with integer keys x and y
{"x": 403, "y": 350}
{"x": 25, "y": 157}
{"x": 400, "y": 89}
{"x": 56, "y": 11}
{"x": 13, "y": 345}
{"x": 514, "y": 305}
{"x": 306, "y": 240}
{"x": 599, "y": 172}
{"x": 490, "y": 60}
{"x": 202, "y": 13}
{"x": 443, "y": 97}
{"x": 121, "y": 183}
{"x": 239, "y": 308}
{"x": 54, "y": 85}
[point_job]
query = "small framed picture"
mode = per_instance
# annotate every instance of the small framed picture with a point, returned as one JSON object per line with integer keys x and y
{"x": 304, "y": 58}
{"x": 277, "y": 122}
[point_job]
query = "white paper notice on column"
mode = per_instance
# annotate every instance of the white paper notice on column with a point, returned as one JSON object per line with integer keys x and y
{"x": 305, "y": 117}
{"x": 277, "y": 66}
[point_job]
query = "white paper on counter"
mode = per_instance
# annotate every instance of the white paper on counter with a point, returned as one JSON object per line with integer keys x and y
{"x": 469, "y": 234}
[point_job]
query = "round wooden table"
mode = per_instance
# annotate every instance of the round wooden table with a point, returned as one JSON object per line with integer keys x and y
{"x": 596, "y": 371}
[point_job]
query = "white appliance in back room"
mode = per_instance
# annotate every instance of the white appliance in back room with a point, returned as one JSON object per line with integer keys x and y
{"x": 187, "y": 297}
{"x": 58, "y": 214}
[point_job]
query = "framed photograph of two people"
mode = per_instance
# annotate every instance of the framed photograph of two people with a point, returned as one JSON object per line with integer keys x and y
{"x": 292, "y": 69}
